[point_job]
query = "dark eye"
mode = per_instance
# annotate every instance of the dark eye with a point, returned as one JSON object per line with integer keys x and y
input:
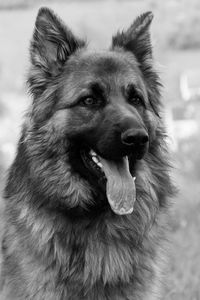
{"x": 136, "y": 100}
{"x": 133, "y": 96}
{"x": 90, "y": 101}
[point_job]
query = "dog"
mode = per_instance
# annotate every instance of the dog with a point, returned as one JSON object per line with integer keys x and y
{"x": 88, "y": 192}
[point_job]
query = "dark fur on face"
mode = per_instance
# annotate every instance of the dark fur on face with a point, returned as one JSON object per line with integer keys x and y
{"x": 62, "y": 240}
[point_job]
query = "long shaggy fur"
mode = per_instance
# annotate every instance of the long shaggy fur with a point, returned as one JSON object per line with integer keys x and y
{"x": 58, "y": 244}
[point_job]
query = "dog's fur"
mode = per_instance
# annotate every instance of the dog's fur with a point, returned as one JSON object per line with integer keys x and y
{"x": 62, "y": 240}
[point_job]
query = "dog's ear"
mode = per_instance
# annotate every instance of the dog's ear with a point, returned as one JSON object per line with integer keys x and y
{"x": 137, "y": 38}
{"x": 52, "y": 42}
{"x": 137, "y": 41}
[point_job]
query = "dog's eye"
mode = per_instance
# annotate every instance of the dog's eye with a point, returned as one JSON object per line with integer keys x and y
{"x": 90, "y": 101}
{"x": 136, "y": 100}
{"x": 133, "y": 96}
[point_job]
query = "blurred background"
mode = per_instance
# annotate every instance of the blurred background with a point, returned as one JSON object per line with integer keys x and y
{"x": 176, "y": 42}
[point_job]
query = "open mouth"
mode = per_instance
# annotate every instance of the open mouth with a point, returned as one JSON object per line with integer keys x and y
{"x": 92, "y": 161}
{"x": 120, "y": 185}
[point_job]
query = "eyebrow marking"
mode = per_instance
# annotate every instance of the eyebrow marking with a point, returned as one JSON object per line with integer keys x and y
{"x": 97, "y": 89}
{"x": 131, "y": 89}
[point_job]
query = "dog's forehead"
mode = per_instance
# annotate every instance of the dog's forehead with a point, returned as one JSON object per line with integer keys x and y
{"x": 105, "y": 65}
{"x": 108, "y": 62}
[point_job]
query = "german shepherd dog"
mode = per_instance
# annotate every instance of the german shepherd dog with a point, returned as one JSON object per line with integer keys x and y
{"x": 86, "y": 196}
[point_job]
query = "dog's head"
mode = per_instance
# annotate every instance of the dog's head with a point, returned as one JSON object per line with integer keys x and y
{"x": 100, "y": 108}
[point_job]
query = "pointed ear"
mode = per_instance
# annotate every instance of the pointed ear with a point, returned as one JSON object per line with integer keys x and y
{"x": 137, "y": 38}
{"x": 137, "y": 41}
{"x": 52, "y": 42}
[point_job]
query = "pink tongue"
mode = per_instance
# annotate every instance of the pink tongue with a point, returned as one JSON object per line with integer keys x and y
{"x": 120, "y": 188}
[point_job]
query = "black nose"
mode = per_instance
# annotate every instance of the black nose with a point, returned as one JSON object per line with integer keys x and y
{"x": 138, "y": 137}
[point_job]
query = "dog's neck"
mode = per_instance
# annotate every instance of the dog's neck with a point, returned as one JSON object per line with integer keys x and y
{"x": 54, "y": 237}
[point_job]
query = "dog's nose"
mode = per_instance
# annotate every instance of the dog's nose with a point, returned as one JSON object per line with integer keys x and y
{"x": 137, "y": 137}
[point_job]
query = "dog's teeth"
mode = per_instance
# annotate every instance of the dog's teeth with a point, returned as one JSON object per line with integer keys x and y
{"x": 99, "y": 164}
{"x": 92, "y": 153}
{"x": 95, "y": 159}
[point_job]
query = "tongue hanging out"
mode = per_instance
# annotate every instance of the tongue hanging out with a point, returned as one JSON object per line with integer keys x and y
{"x": 120, "y": 188}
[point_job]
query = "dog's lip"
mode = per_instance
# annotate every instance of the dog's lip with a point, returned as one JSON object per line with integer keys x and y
{"x": 87, "y": 153}
{"x": 112, "y": 156}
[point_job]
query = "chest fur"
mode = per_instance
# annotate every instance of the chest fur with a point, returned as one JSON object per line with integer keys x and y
{"x": 109, "y": 262}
